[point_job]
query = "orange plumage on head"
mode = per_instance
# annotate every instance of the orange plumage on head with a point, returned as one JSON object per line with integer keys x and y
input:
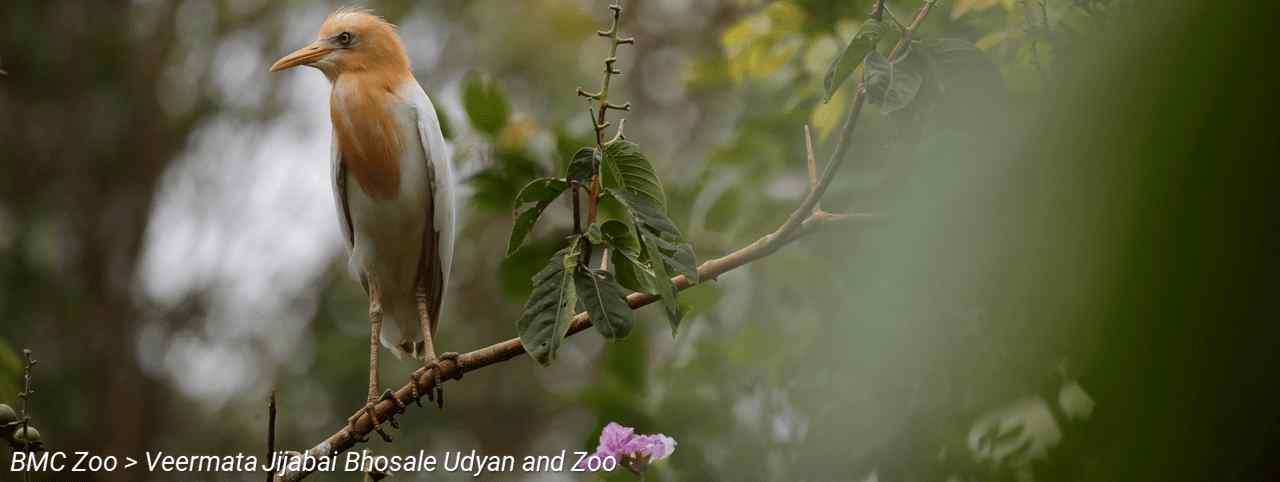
{"x": 365, "y": 75}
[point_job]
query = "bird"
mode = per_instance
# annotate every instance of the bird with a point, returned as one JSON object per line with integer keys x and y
{"x": 392, "y": 186}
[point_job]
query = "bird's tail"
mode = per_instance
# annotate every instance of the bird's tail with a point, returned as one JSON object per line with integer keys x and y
{"x": 402, "y": 335}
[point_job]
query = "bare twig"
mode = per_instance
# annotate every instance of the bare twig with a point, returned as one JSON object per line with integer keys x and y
{"x": 813, "y": 175}
{"x": 24, "y": 407}
{"x": 911, "y": 29}
{"x": 1036, "y": 32}
{"x": 600, "y": 101}
{"x": 271, "y": 431}
{"x": 894, "y": 18}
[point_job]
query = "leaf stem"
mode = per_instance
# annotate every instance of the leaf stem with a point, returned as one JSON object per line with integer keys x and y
{"x": 573, "y": 194}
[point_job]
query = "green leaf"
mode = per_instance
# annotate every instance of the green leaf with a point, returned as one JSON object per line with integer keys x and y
{"x": 625, "y": 167}
{"x": 959, "y": 67}
{"x": 545, "y": 320}
{"x": 583, "y": 165}
{"x": 633, "y": 272}
{"x": 628, "y": 259}
{"x": 485, "y": 103}
{"x": 645, "y": 212}
{"x": 662, "y": 281}
{"x": 533, "y": 198}
{"x": 630, "y": 179}
{"x": 843, "y": 65}
{"x": 678, "y": 257}
{"x": 605, "y": 302}
{"x": 619, "y": 236}
{"x": 594, "y": 234}
{"x": 893, "y": 85}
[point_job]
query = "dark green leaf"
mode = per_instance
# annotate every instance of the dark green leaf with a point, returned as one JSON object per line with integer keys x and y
{"x": 619, "y": 236}
{"x": 959, "y": 68}
{"x": 546, "y": 316}
{"x": 662, "y": 282}
{"x": 485, "y": 103}
{"x": 605, "y": 302}
{"x": 631, "y": 180}
{"x": 645, "y": 212}
{"x": 623, "y": 166}
{"x": 629, "y": 260}
{"x": 852, "y": 55}
{"x": 594, "y": 234}
{"x": 634, "y": 272}
{"x": 893, "y": 85}
{"x": 678, "y": 257}
{"x": 529, "y": 204}
{"x": 582, "y": 166}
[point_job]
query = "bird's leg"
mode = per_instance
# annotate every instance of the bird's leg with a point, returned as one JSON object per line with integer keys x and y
{"x": 375, "y": 331}
{"x": 431, "y": 363}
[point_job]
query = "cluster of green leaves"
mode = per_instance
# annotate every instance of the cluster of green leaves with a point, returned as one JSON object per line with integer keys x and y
{"x": 647, "y": 250}
{"x": 895, "y": 84}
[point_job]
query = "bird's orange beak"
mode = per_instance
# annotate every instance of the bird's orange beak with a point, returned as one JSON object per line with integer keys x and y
{"x": 302, "y": 56}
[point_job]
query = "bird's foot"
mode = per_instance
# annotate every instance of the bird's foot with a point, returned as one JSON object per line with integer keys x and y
{"x": 432, "y": 369}
{"x": 370, "y": 407}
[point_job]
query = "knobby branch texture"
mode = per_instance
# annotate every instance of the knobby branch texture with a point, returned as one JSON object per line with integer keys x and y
{"x": 807, "y": 218}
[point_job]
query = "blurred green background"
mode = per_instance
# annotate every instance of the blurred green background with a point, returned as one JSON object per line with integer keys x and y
{"x": 1074, "y": 281}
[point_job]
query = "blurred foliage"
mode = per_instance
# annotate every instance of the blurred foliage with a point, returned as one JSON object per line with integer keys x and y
{"x": 1074, "y": 223}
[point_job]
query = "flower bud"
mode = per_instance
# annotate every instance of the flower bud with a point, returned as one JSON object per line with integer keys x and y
{"x": 7, "y": 415}
{"x": 29, "y": 438}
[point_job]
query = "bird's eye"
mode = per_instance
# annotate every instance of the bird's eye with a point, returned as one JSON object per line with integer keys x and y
{"x": 344, "y": 39}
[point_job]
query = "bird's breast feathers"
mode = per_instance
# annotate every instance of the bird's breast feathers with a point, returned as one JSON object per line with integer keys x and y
{"x": 368, "y": 124}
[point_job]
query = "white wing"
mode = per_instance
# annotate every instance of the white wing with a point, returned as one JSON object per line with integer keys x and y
{"x": 441, "y": 187}
{"x": 338, "y": 174}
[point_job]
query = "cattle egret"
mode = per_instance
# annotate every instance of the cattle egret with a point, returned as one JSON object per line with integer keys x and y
{"x": 392, "y": 184}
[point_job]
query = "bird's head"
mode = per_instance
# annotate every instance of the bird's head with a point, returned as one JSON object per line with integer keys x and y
{"x": 351, "y": 40}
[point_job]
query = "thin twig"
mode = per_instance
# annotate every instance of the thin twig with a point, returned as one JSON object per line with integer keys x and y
{"x": 600, "y": 100}
{"x": 911, "y": 29}
{"x": 894, "y": 18}
{"x": 271, "y": 432}
{"x": 573, "y": 195}
{"x": 24, "y": 408}
{"x": 1036, "y": 32}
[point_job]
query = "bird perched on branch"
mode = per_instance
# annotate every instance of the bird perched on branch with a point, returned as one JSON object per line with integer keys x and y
{"x": 392, "y": 183}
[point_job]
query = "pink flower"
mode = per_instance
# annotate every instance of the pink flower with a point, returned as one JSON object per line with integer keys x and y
{"x": 634, "y": 451}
